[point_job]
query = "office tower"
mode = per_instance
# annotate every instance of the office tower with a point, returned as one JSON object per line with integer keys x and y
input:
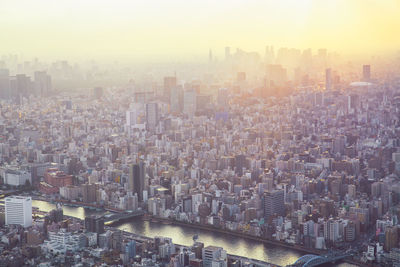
{"x": 391, "y": 237}
{"x": 131, "y": 117}
{"x": 136, "y": 179}
{"x": 169, "y": 83}
{"x": 89, "y": 193}
{"x": 227, "y": 53}
{"x": 366, "y": 73}
{"x": 274, "y": 203}
{"x": 203, "y": 102}
{"x": 214, "y": 256}
{"x": 328, "y": 79}
{"x": 94, "y": 224}
{"x": 42, "y": 83}
{"x": 151, "y": 116}
{"x": 339, "y": 144}
{"x": 189, "y": 102}
{"x": 240, "y": 163}
{"x": 5, "y": 87}
{"x": 210, "y": 56}
{"x": 352, "y": 102}
{"x": 20, "y": 85}
{"x": 130, "y": 249}
{"x": 18, "y": 210}
{"x": 176, "y": 99}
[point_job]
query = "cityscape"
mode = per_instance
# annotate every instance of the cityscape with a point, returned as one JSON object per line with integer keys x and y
{"x": 181, "y": 144}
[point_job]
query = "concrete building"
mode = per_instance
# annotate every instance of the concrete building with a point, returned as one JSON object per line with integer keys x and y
{"x": 18, "y": 210}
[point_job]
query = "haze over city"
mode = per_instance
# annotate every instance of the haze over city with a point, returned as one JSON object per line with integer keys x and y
{"x": 207, "y": 133}
{"x": 179, "y": 30}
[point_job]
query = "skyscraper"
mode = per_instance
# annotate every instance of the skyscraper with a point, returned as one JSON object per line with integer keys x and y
{"x": 169, "y": 83}
{"x": 18, "y": 210}
{"x": 151, "y": 116}
{"x": 189, "y": 102}
{"x": 328, "y": 79}
{"x": 136, "y": 179}
{"x": 176, "y": 99}
{"x": 240, "y": 162}
{"x": 42, "y": 83}
{"x": 366, "y": 73}
{"x": 131, "y": 117}
{"x": 5, "y": 89}
{"x": 274, "y": 203}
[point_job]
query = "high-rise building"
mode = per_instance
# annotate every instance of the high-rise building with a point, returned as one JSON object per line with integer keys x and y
{"x": 274, "y": 203}
{"x": 189, "y": 102}
{"x": 214, "y": 256}
{"x": 366, "y": 73}
{"x": 169, "y": 83}
{"x": 94, "y": 224}
{"x": 20, "y": 85}
{"x": 176, "y": 99}
{"x": 391, "y": 237}
{"x": 42, "y": 83}
{"x": 151, "y": 116}
{"x": 5, "y": 87}
{"x": 18, "y": 210}
{"x": 136, "y": 179}
{"x": 89, "y": 193}
{"x": 352, "y": 102}
{"x": 240, "y": 162}
{"x": 130, "y": 249}
{"x": 328, "y": 79}
{"x": 131, "y": 117}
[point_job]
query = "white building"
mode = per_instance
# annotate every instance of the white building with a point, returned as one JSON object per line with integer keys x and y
{"x": 214, "y": 256}
{"x": 16, "y": 176}
{"x": 63, "y": 241}
{"x": 18, "y": 210}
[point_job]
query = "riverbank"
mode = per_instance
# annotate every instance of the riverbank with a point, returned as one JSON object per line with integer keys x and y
{"x": 240, "y": 244}
{"x": 237, "y": 234}
{"x": 244, "y": 236}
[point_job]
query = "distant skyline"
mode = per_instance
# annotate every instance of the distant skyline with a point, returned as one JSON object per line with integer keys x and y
{"x": 185, "y": 30}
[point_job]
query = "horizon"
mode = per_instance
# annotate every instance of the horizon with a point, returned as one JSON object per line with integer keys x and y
{"x": 170, "y": 31}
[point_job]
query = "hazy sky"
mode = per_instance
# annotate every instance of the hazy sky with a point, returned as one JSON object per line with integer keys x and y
{"x": 186, "y": 29}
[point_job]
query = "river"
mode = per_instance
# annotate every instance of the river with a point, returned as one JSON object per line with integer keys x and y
{"x": 184, "y": 235}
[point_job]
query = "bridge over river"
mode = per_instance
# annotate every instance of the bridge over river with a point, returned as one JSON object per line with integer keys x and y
{"x": 311, "y": 260}
{"x": 114, "y": 217}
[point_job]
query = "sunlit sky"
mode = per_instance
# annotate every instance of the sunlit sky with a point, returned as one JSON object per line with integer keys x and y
{"x": 187, "y": 29}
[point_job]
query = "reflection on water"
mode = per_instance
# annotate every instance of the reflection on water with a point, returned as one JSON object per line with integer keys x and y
{"x": 77, "y": 212}
{"x": 183, "y": 235}
{"x": 233, "y": 245}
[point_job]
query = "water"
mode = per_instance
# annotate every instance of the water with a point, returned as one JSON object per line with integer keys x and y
{"x": 183, "y": 235}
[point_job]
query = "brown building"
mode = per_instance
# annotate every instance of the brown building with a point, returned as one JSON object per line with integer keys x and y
{"x": 53, "y": 180}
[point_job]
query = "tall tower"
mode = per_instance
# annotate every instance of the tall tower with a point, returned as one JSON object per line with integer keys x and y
{"x": 210, "y": 56}
{"x": 169, "y": 84}
{"x": 151, "y": 116}
{"x": 328, "y": 79}
{"x": 274, "y": 203}
{"x": 136, "y": 179}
